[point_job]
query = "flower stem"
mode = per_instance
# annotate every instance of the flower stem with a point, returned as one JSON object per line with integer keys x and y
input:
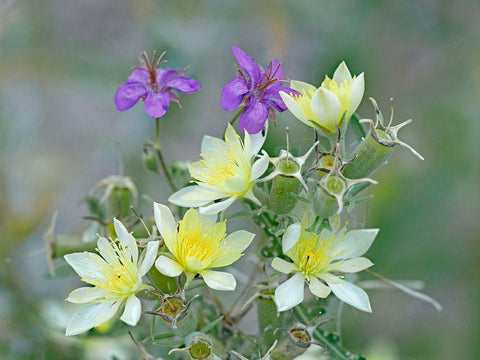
{"x": 160, "y": 156}
{"x": 235, "y": 117}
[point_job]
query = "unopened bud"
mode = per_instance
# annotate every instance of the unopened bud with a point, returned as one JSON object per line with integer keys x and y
{"x": 149, "y": 158}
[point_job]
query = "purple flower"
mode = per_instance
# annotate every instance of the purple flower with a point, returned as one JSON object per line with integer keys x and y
{"x": 154, "y": 86}
{"x": 258, "y": 90}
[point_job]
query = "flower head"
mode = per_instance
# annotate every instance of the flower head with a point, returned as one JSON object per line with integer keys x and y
{"x": 154, "y": 85}
{"x": 116, "y": 275}
{"x": 325, "y": 107}
{"x": 257, "y": 89}
{"x": 315, "y": 259}
{"x": 226, "y": 170}
{"x": 197, "y": 245}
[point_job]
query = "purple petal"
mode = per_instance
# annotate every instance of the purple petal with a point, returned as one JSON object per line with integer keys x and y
{"x": 184, "y": 84}
{"x": 233, "y": 93}
{"x": 139, "y": 75}
{"x": 156, "y": 104}
{"x": 275, "y": 70}
{"x": 272, "y": 97}
{"x": 128, "y": 95}
{"x": 253, "y": 118}
{"x": 248, "y": 65}
{"x": 165, "y": 75}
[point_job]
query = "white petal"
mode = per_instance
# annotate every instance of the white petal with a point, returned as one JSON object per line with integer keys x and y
{"x": 356, "y": 94}
{"x": 342, "y": 73}
{"x": 126, "y": 239}
{"x": 259, "y": 167}
{"x": 106, "y": 250}
{"x": 132, "y": 312}
{"x": 239, "y": 240}
{"x": 290, "y": 293}
{"x": 283, "y": 266}
{"x": 166, "y": 224}
{"x": 348, "y": 292}
{"x": 291, "y": 236}
{"x": 90, "y": 317}
{"x": 293, "y": 106}
{"x": 318, "y": 288}
{"x": 150, "y": 256}
{"x": 168, "y": 266}
{"x": 326, "y": 107}
{"x": 217, "y": 207}
{"x": 257, "y": 140}
{"x": 88, "y": 265}
{"x": 231, "y": 135}
{"x": 351, "y": 265}
{"x": 234, "y": 185}
{"x": 219, "y": 280}
{"x": 191, "y": 196}
{"x": 301, "y": 85}
{"x": 212, "y": 144}
{"x": 85, "y": 295}
{"x": 356, "y": 243}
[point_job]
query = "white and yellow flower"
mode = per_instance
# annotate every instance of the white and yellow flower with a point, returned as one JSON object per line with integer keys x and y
{"x": 316, "y": 259}
{"x": 226, "y": 171}
{"x": 197, "y": 245}
{"x": 116, "y": 277}
{"x": 325, "y": 107}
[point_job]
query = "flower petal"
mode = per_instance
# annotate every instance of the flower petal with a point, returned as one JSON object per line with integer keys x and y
{"x": 127, "y": 240}
{"x": 133, "y": 310}
{"x": 128, "y": 95}
{"x": 271, "y": 96}
{"x": 356, "y": 243}
{"x": 318, "y": 288}
{"x": 217, "y": 207}
{"x": 248, "y": 65}
{"x": 168, "y": 266}
{"x": 257, "y": 140}
{"x": 356, "y": 94}
{"x": 212, "y": 144}
{"x": 283, "y": 266}
{"x": 342, "y": 74}
{"x": 294, "y": 108}
{"x": 259, "y": 167}
{"x": 253, "y": 118}
{"x": 301, "y": 85}
{"x": 219, "y": 280}
{"x": 192, "y": 196}
{"x": 149, "y": 258}
{"x": 290, "y": 293}
{"x": 157, "y": 103}
{"x": 235, "y": 243}
{"x": 140, "y": 75}
{"x": 291, "y": 236}
{"x": 184, "y": 84}
{"x": 348, "y": 292}
{"x": 106, "y": 250}
{"x": 233, "y": 93}
{"x": 88, "y": 265}
{"x": 351, "y": 265}
{"x": 166, "y": 224}
{"x": 326, "y": 108}
{"x": 85, "y": 295}
{"x": 91, "y": 316}
{"x": 275, "y": 70}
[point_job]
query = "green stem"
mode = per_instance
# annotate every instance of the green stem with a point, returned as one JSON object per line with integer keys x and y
{"x": 235, "y": 117}
{"x": 160, "y": 156}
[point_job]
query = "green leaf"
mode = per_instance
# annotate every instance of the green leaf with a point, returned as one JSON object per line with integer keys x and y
{"x": 61, "y": 271}
{"x": 211, "y": 325}
{"x": 94, "y": 206}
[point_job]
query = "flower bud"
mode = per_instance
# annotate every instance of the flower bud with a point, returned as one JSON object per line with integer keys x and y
{"x": 149, "y": 158}
{"x": 377, "y": 147}
{"x": 199, "y": 347}
{"x": 120, "y": 192}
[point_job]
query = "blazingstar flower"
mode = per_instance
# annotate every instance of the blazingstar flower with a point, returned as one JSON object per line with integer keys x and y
{"x": 153, "y": 85}
{"x": 258, "y": 90}
{"x": 116, "y": 277}
{"x": 226, "y": 170}
{"x": 315, "y": 259}
{"x": 197, "y": 245}
{"x": 327, "y": 106}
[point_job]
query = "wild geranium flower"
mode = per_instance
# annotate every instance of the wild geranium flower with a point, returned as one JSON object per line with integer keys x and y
{"x": 315, "y": 260}
{"x": 327, "y": 106}
{"x": 226, "y": 170}
{"x": 257, "y": 89}
{"x": 154, "y": 86}
{"x": 197, "y": 245}
{"x": 116, "y": 276}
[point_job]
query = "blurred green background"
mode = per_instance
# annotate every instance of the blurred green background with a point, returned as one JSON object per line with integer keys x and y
{"x": 60, "y": 64}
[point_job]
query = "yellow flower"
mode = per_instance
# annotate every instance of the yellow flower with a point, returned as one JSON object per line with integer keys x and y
{"x": 197, "y": 245}
{"x": 325, "y": 107}
{"x": 226, "y": 171}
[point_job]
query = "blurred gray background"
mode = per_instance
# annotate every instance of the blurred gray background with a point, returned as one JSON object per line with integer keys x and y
{"x": 60, "y": 65}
